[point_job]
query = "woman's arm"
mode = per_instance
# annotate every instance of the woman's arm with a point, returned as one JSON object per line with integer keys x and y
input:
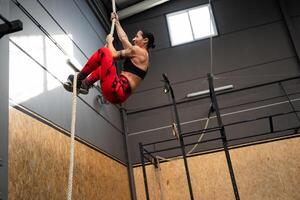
{"x": 120, "y": 32}
{"x": 128, "y": 52}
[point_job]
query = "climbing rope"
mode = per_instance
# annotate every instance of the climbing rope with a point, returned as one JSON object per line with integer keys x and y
{"x": 112, "y": 28}
{"x": 210, "y": 39}
{"x": 73, "y": 122}
{"x": 72, "y": 142}
{"x": 190, "y": 151}
{"x": 200, "y": 138}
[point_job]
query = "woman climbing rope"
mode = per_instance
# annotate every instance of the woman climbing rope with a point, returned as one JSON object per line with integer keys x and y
{"x": 116, "y": 88}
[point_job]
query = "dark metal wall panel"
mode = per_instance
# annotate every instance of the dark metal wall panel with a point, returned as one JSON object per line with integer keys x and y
{"x": 296, "y": 21}
{"x": 234, "y": 15}
{"x": 243, "y": 75}
{"x": 293, "y": 7}
{"x": 154, "y": 25}
{"x": 39, "y": 63}
{"x": 90, "y": 17}
{"x": 4, "y": 10}
{"x": 71, "y": 19}
{"x": 44, "y": 19}
{"x": 253, "y": 47}
{"x": 250, "y": 13}
{"x": 199, "y": 109}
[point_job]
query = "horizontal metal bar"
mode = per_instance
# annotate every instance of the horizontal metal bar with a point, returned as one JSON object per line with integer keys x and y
{"x": 161, "y": 141}
{"x": 12, "y": 27}
{"x": 257, "y": 101}
{"x": 215, "y": 150}
{"x": 232, "y": 106}
{"x": 218, "y": 94}
{"x": 187, "y": 134}
{"x": 177, "y": 147}
{"x": 167, "y": 149}
{"x": 197, "y": 132}
{"x": 240, "y": 122}
{"x": 205, "y": 141}
{"x": 230, "y": 140}
{"x": 149, "y": 153}
{"x": 262, "y": 134}
{"x": 260, "y": 118}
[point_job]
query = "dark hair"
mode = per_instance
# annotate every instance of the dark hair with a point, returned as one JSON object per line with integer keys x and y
{"x": 150, "y": 37}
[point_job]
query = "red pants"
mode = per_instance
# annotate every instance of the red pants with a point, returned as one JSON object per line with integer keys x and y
{"x": 100, "y": 66}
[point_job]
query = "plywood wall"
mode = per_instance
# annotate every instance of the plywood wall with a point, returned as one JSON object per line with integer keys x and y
{"x": 39, "y": 161}
{"x": 269, "y": 171}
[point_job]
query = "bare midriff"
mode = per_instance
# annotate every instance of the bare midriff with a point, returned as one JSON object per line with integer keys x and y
{"x": 133, "y": 79}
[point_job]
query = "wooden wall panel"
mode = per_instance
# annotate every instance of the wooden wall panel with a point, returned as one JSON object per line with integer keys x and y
{"x": 39, "y": 161}
{"x": 269, "y": 171}
{"x": 210, "y": 177}
{"x": 168, "y": 182}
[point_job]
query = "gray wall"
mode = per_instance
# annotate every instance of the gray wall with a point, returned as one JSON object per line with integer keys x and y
{"x": 53, "y": 31}
{"x": 253, "y": 47}
{"x": 4, "y": 11}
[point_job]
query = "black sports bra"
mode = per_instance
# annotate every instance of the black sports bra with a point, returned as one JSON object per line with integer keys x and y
{"x": 128, "y": 66}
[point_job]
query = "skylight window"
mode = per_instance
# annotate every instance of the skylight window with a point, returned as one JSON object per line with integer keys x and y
{"x": 191, "y": 24}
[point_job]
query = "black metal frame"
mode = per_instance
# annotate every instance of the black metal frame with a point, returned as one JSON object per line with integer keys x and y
{"x": 221, "y": 128}
{"x": 9, "y": 27}
{"x": 128, "y": 157}
{"x": 223, "y": 134}
{"x": 169, "y": 87}
{"x": 206, "y": 96}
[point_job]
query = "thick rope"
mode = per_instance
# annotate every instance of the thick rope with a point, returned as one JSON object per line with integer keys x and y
{"x": 200, "y": 138}
{"x": 194, "y": 147}
{"x": 73, "y": 122}
{"x": 112, "y": 28}
{"x": 191, "y": 151}
{"x": 72, "y": 142}
{"x": 210, "y": 40}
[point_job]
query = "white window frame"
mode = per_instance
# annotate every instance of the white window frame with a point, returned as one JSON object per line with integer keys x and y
{"x": 214, "y": 27}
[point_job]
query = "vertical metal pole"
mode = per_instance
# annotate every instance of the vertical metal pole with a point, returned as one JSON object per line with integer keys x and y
{"x": 144, "y": 171}
{"x": 223, "y": 135}
{"x": 4, "y": 114}
{"x": 181, "y": 143}
{"x": 271, "y": 124}
{"x": 128, "y": 157}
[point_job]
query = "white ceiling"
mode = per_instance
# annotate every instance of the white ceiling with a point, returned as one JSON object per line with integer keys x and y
{"x": 121, "y": 4}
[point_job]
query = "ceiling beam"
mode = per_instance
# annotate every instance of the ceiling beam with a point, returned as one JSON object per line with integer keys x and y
{"x": 139, "y": 7}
